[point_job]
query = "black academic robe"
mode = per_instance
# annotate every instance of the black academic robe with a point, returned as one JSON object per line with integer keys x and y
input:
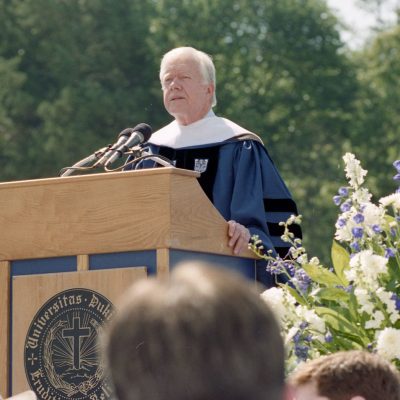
{"x": 242, "y": 182}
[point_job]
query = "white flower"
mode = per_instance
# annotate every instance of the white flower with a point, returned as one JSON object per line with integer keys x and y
{"x": 344, "y": 225}
{"x": 280, "y": 302}
{"x": 297, "y": 253}
{"x": 388, "y": 343}
{"x": 351, "y": 274}
{"x": 315, "y": 261}
{"x": 373, "y": 215}
{"x": 361, "y": 196}
{"x": 394, "y": 317}
{"x": 294, "y": 219}
{"x": 289, "y": 336}
{"x": 354, "y": 172}
{"x": 302, "y": 259}
{"x": 369, "y": 266}
{"x": 392, "y": 200}
{"x": 376, "y": 320}
{"x": 386, "y": 298}
{"x": 363, "y": 300}
{"x": 316, "y": 323}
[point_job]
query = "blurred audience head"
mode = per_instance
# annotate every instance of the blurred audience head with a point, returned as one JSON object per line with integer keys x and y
{"x": 202, "y": 334}
{"x": 346, "y": 375}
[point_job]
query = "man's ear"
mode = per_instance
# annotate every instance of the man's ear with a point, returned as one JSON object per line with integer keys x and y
{"x": 210, "y": 88}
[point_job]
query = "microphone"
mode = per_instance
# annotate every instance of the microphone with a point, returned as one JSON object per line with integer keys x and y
{"x": 82, "y": 163}
{"x": 141, "y": 134}
{"x": 122, "y": 138}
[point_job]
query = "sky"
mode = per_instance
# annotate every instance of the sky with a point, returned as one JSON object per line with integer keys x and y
{"x": 358, "y": 20}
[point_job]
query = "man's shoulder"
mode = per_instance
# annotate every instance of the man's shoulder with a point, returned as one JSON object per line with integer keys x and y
{"x": 246, "y": 137}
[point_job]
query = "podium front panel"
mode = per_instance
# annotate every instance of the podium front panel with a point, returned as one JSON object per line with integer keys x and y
{"x": 56, "y": 319}
{"x": 58, "y": 228}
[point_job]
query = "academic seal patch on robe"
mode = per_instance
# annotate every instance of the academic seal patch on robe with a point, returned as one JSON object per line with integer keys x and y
{"x": 200, "y": 165}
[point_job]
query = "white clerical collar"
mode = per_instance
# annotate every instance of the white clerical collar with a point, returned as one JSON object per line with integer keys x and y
{"x": 208, "y": 130}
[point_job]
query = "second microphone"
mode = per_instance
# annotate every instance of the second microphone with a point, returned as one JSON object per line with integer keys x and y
{"x": 139, "y": 134}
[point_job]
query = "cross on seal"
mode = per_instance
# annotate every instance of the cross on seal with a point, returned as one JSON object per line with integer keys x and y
{"x": 32, "y": 359}
{"x": 76, "y": 333}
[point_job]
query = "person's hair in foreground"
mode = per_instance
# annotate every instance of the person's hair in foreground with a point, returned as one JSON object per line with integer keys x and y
{"x": 203, "y": 334}
{"x": 347, "y": 375}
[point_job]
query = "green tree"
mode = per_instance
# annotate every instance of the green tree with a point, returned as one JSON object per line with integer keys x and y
{"x": 377, "y": 123}
{"x": 11, "y": 101}
{"x": 88, "y": 73}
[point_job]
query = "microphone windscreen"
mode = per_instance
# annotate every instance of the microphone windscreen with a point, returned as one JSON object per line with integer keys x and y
{"x": 126, "y": 132}
{"x": 145, "y": 130}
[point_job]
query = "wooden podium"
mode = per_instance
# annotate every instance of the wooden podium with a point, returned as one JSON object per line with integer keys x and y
{"x": 98, "y": 232}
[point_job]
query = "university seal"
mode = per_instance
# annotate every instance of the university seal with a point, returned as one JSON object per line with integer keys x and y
{"x": 61, "y": 353}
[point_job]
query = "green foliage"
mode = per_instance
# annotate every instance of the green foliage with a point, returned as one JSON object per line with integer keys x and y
{"x": 321, "y": 275}
{"x": 84, "y": 75}
{"x": 377, "y": 120}
{"x": 340, "y": 260}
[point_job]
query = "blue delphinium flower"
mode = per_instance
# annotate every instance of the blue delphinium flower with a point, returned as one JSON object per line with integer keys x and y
{"x": 297, "y": 337}
{"x": 290, "y": 268}
{"x": 357, "y": 232}
{"x": 328, "y": 337}
{"x": 396, "y": 164}
{"x": 389, "y": 252}
{"x": 343, "y": 192}
{"x": 376, "y": 228}
{"x": 358, "y": 218}
{"x": 308, "y": 338}
{"x": 275, "y": 267}
{"x": 301, "y": 352}
{"x": 341, "y": 222}
{"x": 345, "y": 206}
{"x": 397, "y": 301}
{"x": 303, "y": 280}
{"x": 337, "y": 200}
{"x": 355, "y": 246}
{"x": 348, "y": 289}
{"x": 304, "y": 325}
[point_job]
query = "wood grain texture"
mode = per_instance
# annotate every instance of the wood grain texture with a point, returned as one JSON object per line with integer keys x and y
{"x": 27, "y": 302}
{"x": 100, "y": 213}
{"x": 82, "y": 262}
{"x": 162, "y": 263}
{"x": 4, "y": 325}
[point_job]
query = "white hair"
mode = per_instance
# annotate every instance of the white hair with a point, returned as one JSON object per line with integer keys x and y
{"x": 207, "y": 68}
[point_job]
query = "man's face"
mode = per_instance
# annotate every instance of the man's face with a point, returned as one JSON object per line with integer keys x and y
{"x": 308, "y": 391}
{"x": 186, "y": 96}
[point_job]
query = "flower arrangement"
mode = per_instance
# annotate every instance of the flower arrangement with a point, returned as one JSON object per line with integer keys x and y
{"x": 354, "y": 304}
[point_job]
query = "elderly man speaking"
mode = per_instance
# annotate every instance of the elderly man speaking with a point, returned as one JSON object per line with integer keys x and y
{"x": 237, "y": 174}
